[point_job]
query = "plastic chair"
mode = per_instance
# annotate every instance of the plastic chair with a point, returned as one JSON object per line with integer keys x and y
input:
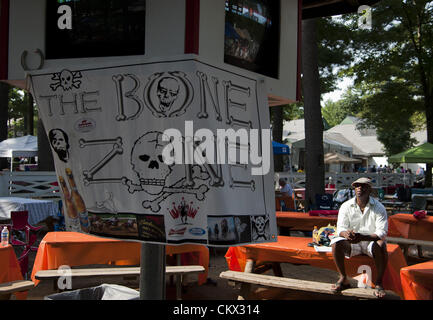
{"x": 418, "y": 203}
{"x": 23, "y": 260}
{"x": 20, "y": 224}
{"x": 285, "y": 202}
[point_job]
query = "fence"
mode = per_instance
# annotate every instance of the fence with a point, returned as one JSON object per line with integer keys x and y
{"x": 29, "y": 184}
{"x": 344, "y": 180}
{"x": 38, "y": 184}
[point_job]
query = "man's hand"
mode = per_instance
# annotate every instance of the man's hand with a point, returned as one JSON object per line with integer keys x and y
{"x": 351, "y": 236}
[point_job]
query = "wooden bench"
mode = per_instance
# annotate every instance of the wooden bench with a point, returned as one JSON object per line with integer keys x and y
{"x": 8, "y": 288}
{"x": 296, "y": 284}
{"x": 177, "y": 271}
{"x": 405, "y": 243}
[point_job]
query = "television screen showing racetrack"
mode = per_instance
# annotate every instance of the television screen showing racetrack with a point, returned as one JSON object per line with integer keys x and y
{"x": 252, "y": 34}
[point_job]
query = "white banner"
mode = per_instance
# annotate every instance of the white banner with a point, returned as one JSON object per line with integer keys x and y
{"x": 148, "y": 151}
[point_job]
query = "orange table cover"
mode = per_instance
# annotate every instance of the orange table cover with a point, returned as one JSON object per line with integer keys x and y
{"x": 78, "y": 249}
{"x": 10, "y": 269}
{"x": 417, "y": 281}
{"x": 407, "y": 226}
{"x": 303, "y": 221}
{"x": 295, "y": 250}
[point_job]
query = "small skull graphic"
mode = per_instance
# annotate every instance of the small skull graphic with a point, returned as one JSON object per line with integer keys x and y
{"x": 167, "y": 92}
{"x": 148, "y": 162}
{"x": 66, "y": 79}
{"x": 260, "y": 224}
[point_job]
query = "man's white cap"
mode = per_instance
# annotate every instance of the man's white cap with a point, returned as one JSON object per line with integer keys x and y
{"x": 362, "y": 180}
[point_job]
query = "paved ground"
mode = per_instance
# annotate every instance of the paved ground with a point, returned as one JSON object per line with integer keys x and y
{"x": 216, "y": 288}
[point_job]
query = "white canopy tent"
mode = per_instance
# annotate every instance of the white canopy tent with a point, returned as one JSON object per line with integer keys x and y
{"x": 26, "y": 146}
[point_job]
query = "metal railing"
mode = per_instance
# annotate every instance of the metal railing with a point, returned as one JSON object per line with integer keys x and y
{"x": 29, "y": 184}
{"x": 344, "y": 180}
{"x": 33, "y": 184}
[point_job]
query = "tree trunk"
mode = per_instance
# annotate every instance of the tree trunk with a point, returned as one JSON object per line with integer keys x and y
{"x": 30, "y": 115}
{"x": 429, "y": 118}
{"x": 314, "y": 164}
{"x": 4, "y": 100}
{"x": 45, "y": 155}
{"x": 277, "y": 135}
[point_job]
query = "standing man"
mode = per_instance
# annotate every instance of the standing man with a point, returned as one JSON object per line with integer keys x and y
{"x": 362, "y": 227}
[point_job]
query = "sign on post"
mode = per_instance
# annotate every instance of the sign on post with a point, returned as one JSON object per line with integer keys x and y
{"x": 163, "y": 151}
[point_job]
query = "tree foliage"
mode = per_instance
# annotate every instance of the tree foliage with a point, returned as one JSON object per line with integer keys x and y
{"x": 390, "y": 110}
{"x": 18, "y": 107}
{"x": 393, "y": 70}
{"x": 335, "y": 112}
{"x": 334, "y": 54}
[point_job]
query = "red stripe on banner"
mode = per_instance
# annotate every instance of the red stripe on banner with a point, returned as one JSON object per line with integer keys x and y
{"x": 298, "y": 81}
{"x": 4, "y": 38}
{"x": 192, "y": 26}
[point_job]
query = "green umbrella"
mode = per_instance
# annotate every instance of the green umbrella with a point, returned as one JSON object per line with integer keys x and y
{"x": 419, "y": 154}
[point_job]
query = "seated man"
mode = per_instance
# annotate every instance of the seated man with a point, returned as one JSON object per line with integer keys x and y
{"x": 285, "y": 188}
{"x": 362, "y": 226}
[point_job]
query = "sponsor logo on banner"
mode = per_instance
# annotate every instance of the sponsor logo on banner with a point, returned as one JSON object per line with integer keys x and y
{"x": 197, "y": 231}
{"x": 85, "y": 125}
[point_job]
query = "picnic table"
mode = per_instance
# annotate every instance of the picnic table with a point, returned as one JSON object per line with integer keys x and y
{"x": 393, "y": 206}
{"x": 78, "y": 249}
{"x": 406, "y": 230}
{"x": 303, "y": 221}
{"x": 296, "y": 250}
{"x": 39, "y": 210}
{"x": 10, "y": 269}
{"x": 406, "y": 226}
{"x": 417, "y": 281}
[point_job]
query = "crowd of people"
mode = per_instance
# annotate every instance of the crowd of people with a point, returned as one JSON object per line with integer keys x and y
{"x": 387, "y": 169}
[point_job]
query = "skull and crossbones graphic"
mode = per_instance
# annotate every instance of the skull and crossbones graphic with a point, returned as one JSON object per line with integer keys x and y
{"x": 147, "y": 162}
{"x": 260, "y": 224}
{"x": 66, "y": 79}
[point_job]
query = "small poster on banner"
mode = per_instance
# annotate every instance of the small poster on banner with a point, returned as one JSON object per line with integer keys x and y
{"x": 173, "y": 151}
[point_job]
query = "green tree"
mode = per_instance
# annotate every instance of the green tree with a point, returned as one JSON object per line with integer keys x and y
{"x": 379, "y": 111}
{"x": 334, "y": 54}
{"x": 394, "y": 67}
{"x": 335, "y": 112}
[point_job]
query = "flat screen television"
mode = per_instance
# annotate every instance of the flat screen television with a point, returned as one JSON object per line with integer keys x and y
{"x": 100, "y": 28}
{"x": 252, "y": 35}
